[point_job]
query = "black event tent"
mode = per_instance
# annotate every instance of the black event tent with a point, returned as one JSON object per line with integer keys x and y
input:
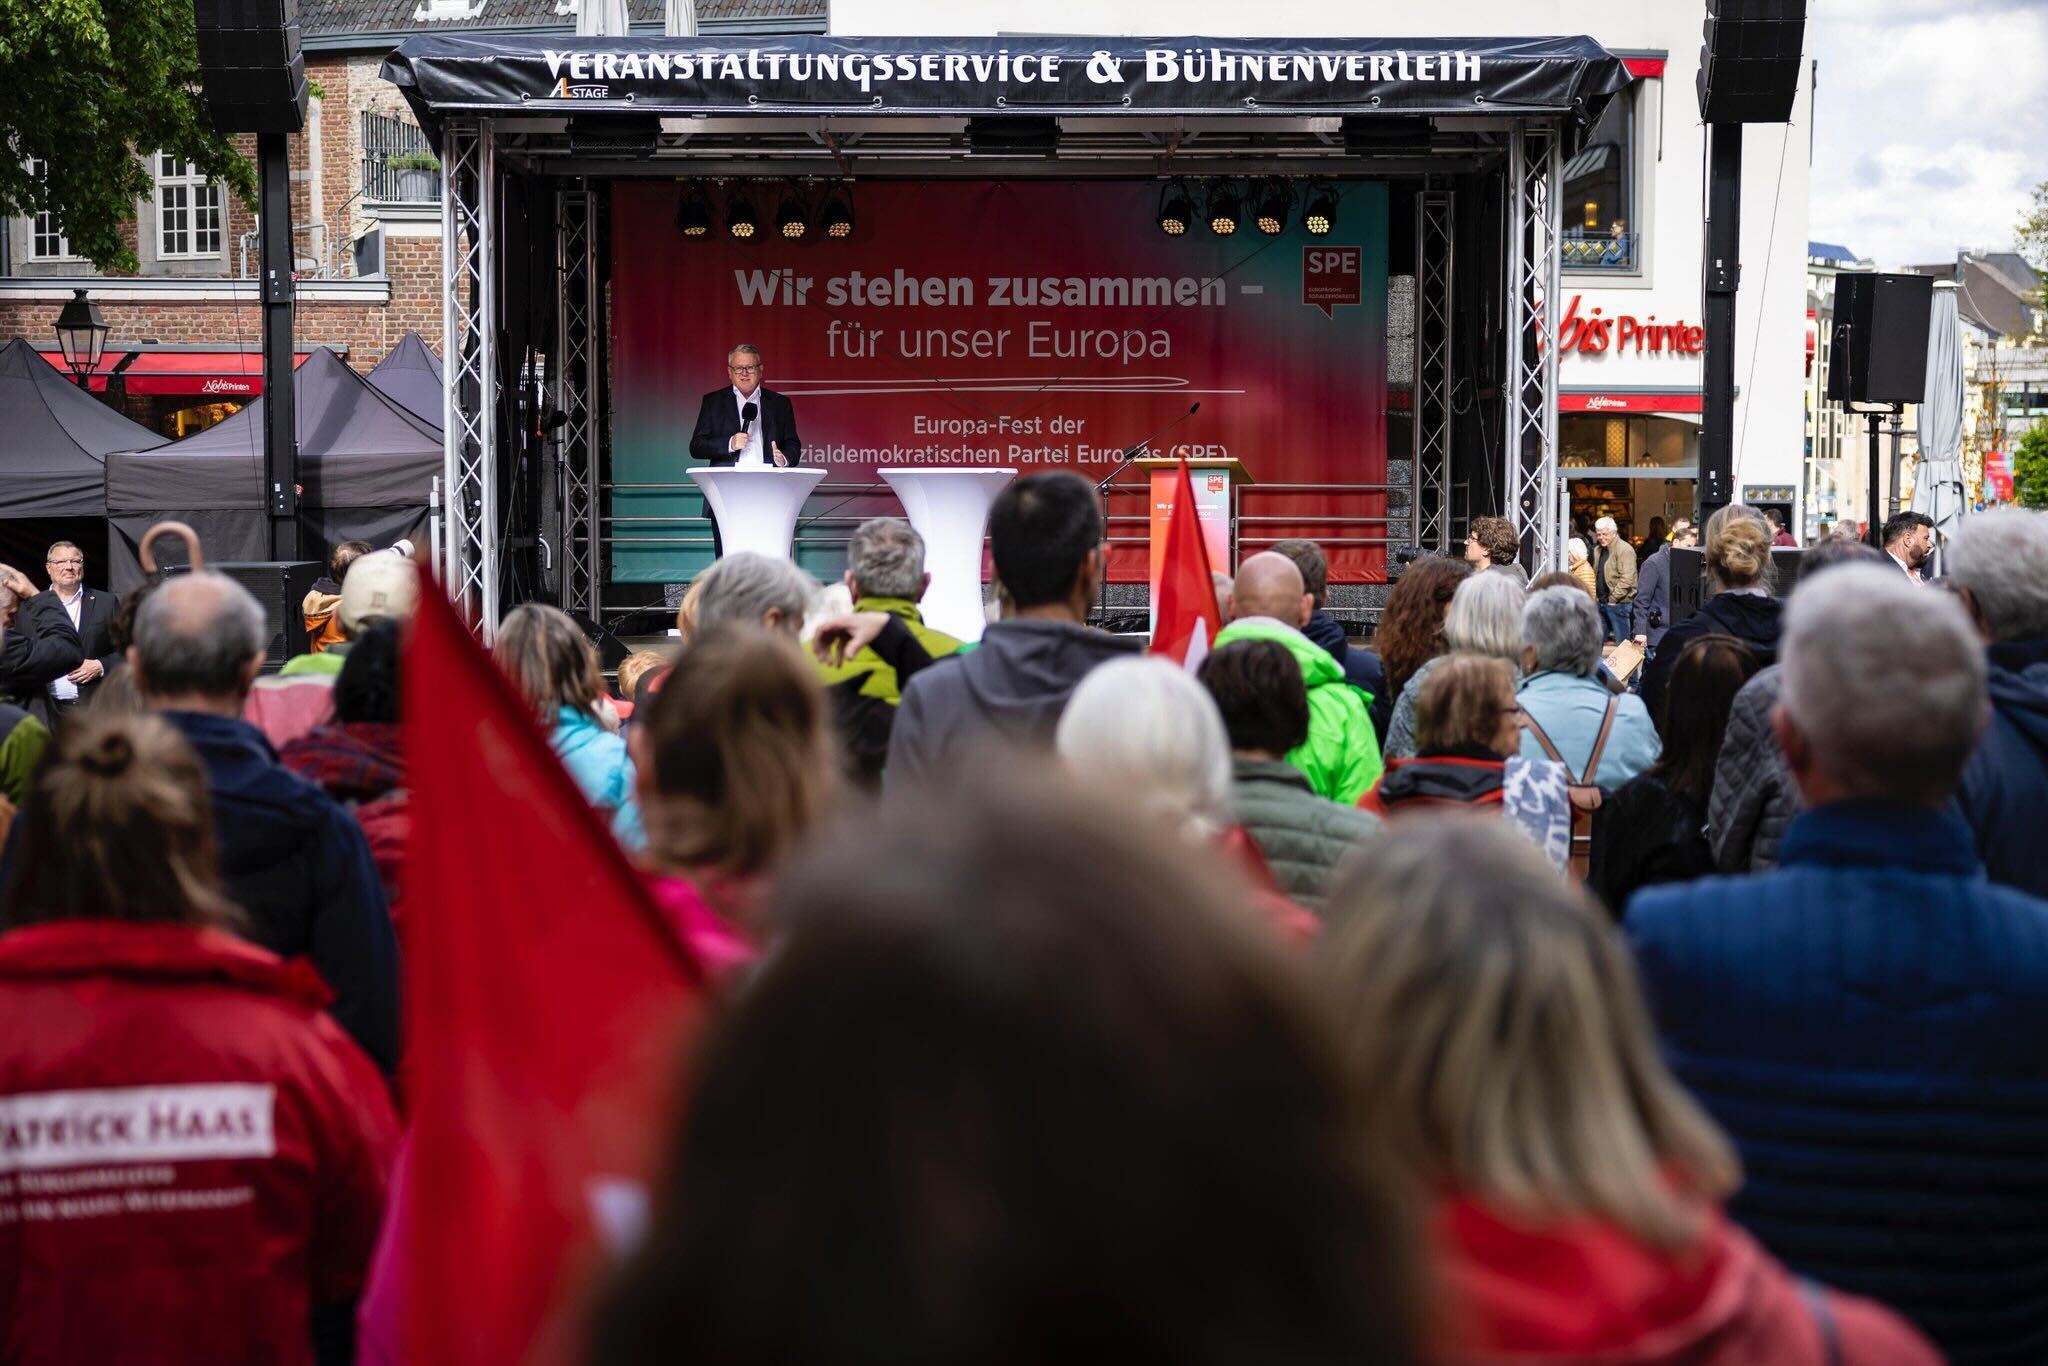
{"x": 366, "y": 471}
{"x": 55, "y": 439}
{"x": 411, "y": 374}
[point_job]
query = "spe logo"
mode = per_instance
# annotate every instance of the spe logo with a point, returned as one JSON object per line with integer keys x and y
{"x": 1331, "y": 276}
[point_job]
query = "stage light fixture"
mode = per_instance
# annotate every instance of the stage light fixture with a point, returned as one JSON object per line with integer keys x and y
{"x": 1275, "y": 199}
{"x": 789, "y": 216}
{"x": 835, "y": 215}
{"x": 693, "y": 212}
{"x": 1321, "y": 215}
{"x": 1176, "y": 209}
{"x": 1226, "y": 207}
{"x": 739, "y": 216}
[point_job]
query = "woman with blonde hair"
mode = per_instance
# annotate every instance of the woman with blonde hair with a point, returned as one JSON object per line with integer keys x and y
{"x": 1737, "y": 549}
{"x": 1577, "y": 1188}
{"x": 736, "y": 766}
{"x": 1485, "y": 619}
{"x": 556, "y": 669}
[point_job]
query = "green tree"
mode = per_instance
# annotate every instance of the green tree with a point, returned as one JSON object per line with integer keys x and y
{"x": 90, "y": 87}
{"x": 2030, "y": 467}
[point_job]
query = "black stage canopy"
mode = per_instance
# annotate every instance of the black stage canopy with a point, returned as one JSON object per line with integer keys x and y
{"x": 366, "y": 468}
{"x": 809, "y": 74}
{"x": 55, "y": 439}
{"x": 411, "y": 376}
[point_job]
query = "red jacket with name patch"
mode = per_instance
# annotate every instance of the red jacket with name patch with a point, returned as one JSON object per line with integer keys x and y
{"x": 192, "y": 1154}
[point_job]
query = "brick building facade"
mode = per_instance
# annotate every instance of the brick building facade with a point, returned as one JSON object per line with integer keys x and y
{"x": 365, "y": 216}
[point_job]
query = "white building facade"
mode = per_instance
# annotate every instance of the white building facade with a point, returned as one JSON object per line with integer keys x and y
{"x": 1630, "y": 317}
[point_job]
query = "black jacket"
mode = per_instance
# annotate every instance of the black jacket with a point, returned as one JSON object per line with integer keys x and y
{"x": 719, "y": 418}
{"x": 1752, "y": 618}
{"x": 95, "y": 624}
{"x": 1362, "y": 668}
{"x": 40, "y": 646}
{"x": 1646, "y": 834}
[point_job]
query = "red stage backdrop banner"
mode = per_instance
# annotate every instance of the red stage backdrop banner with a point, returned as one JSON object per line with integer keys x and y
{"x": 1040, "y": 324}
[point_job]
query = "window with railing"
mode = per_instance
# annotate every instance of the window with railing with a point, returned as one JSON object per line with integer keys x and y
{"x": 399, "y": 165}
{"x": 1599, "y": 193}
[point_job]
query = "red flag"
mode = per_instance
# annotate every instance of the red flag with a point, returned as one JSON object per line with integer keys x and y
{"x": 1187, "y": 619}
{"x": 546, "y": 1004}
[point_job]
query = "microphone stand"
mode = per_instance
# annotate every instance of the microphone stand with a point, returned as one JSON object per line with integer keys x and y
{"x": 1102, "y": 492}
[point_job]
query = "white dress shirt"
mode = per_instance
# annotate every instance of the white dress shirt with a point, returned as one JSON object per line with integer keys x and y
{"x": 1910, "y": 572}
{"x": 62, "y": 688}
{"x": 753, "y": 457}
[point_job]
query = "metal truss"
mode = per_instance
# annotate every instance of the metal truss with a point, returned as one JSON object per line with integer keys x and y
{"x": 468, "y": 333}
{"x": 575, "y": 337}
{"x": 1534, "y": 492}
{"x": 1435, "y": 232}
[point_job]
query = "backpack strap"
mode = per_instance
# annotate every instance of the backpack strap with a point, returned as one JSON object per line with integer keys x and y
{"x": 1529, "y": 724}
{"x": 1600, "y": 740}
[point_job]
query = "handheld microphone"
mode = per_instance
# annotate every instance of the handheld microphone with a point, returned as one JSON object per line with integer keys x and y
{"x": 748, "y": 411}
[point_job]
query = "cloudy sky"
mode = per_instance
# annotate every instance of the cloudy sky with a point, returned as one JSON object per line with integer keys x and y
{"x": 1930, "y": 125}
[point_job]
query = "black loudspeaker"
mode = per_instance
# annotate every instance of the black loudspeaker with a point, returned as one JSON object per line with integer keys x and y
{"x": 251, "y": 66}
{"x": 1879, "y": 340}
{"x": 281, "y": 587}
{"x": 1688, "y": 583}
{"x": 1749, "y": 68}
{"x": 611, "y": 650}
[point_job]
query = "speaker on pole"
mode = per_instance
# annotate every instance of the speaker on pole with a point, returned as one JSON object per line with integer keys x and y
{"x": 1749, "y": 67}
{"x": 250, "y": 64}
{"x": 1879, "y": 338}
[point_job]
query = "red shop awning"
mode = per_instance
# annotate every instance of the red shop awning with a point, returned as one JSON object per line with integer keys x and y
{"x": 226, "y": 376}
{"x": 1632, "y": 401}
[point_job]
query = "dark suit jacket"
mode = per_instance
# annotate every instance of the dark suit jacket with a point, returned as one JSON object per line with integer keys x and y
{"x": 719, "y": 418}
{"x": 40, "y": 646}
{"x": 1653, "y": 596}
{"x": 95, "y": 621}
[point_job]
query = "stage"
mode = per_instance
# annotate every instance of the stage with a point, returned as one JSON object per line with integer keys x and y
{"x": 1010, "y": 254}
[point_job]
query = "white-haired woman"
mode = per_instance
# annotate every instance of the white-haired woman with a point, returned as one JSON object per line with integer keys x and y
{"x": 1576, "y": 1187}
{"x": 1602, "y": 737}
{"x": 1143, "y": 728}
{"x": 1579, "y": 560}
{"x": 1486, "y": 619}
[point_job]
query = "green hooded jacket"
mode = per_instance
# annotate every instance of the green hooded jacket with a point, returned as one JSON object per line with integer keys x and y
{"x": 1341, "y": 755}
{"x": 877, "y": 678}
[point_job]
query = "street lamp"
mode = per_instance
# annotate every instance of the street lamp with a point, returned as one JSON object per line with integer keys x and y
{"x": 82, "y": 336}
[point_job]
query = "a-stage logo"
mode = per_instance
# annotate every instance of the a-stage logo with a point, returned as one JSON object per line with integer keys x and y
{"x": 1216, "y": 483}
{"x": 1331, "y": 276}
{"x": 565, "y": 91}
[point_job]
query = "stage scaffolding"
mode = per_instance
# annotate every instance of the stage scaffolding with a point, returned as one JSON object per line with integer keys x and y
{"x": 1467, "y": 164}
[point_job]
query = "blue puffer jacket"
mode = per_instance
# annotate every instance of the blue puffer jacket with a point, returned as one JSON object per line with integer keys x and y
{"x": 1868, "y": 1021}
{"x": 598, "y": 761}
{"x": 2004, "y": 792}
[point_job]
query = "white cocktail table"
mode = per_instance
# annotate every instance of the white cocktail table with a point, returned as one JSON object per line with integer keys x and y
{"x": 949, "y": 508}
{"x": 756, "y": 509}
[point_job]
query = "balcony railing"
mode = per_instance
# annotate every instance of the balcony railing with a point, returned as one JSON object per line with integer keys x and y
{"x": 399, "y": 165}
{"x": 1593, "y": 250}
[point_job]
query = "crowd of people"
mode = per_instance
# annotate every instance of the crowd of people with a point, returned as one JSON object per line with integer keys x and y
{"x": 1459, "y": 999}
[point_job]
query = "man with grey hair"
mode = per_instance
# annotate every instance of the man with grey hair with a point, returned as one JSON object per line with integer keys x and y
{"x": 1865, "y": 1019}
{"x": 1614, "y": 575}
{"x": 744, "y": 424}
{"x": 756, "y": 589}
{"x": 290, "y": 855}
{"x": 1602, "y": 738}
{"x": 885, "y": 573}
{"x": 1998, "y": 562}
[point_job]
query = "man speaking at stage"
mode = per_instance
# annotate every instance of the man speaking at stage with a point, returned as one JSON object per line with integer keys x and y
{"x": 745, "y": 425}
